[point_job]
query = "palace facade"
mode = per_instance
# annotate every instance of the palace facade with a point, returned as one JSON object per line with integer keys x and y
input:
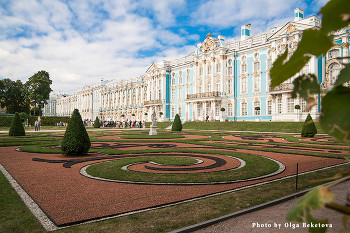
{"x": 226, "y": 80}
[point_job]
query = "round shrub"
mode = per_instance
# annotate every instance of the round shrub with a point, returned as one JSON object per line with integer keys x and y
{"x": 309, "y": 129}
{"x": 97, "y": 123}
{"x": 76, "y": 140}
{"x": 177, "y": 125}
{"x": 16, "y": 128}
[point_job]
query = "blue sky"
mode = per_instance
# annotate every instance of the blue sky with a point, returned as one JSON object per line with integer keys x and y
{"x": 80, "y": 42}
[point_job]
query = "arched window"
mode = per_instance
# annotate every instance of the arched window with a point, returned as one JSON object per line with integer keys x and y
{"x": 256, "y": 83}
{"x": 334, "y": 53}
{"x": 334, "y": 70}
{"x": 209, "y": 87}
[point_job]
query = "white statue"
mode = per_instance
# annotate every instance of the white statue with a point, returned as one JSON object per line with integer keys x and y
{"x": 154, "y": 119}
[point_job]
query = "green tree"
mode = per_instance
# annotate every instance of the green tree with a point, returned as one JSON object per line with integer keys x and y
{"x": 16, "y": 128}
{"x": 335, "y": 110}
{"x": 97, "y": 123}
{"x": 177, "y": 125}
{"x": 309, "y": 129}
{"x": 76, "y": 140}
{"x": 12, "y": 96}
{"x": 38, "y": 89}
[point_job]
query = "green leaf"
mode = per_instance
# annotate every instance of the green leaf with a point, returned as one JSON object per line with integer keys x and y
{"x": 305, "y": 86}
{"x": 335, "y": 114}
{"x": 344, "y": 76}
{"x": 314, "y": 42}
{"x": 315, "y": 199}
{"x": 332, "y": 15}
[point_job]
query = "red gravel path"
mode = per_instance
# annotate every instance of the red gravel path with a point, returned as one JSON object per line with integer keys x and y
{"x": 68, "y": 197}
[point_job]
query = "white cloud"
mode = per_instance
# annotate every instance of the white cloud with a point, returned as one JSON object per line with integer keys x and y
{"x": 232, "y": 13}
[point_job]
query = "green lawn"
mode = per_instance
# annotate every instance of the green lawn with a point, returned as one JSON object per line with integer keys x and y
{"x": 286, "y": 127}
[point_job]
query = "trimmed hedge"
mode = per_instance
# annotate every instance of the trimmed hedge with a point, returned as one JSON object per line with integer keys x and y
{"x": 76, "y": 140}
{"x": 309, "y": 129}
{"x": 16, "y": 128}
{"x": 177, "y": 125}
{"x": 5, "y": 121}
{"x": 97, "y": 123}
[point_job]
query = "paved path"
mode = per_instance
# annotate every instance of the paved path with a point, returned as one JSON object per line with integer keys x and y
{"x": 276, "y": 214}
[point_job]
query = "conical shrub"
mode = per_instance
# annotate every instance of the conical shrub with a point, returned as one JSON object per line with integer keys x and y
{"x": 309, "y": 129}
{"x": 97, "y": 123}
{"x": 76, "y": 140}
{"x": 16, "y": 128}
{"x": 177, "y": 125}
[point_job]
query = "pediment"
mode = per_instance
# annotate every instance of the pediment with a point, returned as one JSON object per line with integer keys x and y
{"x": 287, "y": 29}
{"x": 152, "y": 68}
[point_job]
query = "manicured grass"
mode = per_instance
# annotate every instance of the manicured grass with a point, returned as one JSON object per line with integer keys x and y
{"x": 253, "y": 168}
{"x": 287, "y": 127}
{"x": 14, "y": 215}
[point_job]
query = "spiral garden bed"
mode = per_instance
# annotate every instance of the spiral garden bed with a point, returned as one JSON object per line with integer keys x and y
{"x": 121, "y": 176}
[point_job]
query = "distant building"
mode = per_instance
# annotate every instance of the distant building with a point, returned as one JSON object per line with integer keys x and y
{"x": 219, "y": 74}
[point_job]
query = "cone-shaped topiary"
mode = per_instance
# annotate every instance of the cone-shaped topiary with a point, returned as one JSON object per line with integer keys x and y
{"x": 76, "y": 140}
{"x": 97, "y": 123}
{"x": 16, "y": 128}
{"x": 177, "y": 125}
{"x": 309, "y": 129}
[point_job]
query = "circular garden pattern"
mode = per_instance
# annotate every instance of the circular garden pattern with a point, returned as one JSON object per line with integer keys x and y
{"x": 184, "y": 168}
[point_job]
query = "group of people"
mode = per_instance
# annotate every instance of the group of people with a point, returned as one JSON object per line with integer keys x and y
{"x": 131, "y": 124}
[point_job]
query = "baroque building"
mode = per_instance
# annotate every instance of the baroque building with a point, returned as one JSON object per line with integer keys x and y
{"x": 225, "y": 80}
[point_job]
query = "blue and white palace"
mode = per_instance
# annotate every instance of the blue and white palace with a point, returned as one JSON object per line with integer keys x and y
{"x": 225, "y": 80}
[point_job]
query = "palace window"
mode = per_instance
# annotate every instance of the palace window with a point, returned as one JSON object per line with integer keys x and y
{"x": 334, "y": 70}
{"x": 290, "y": 104}
{"x": 172, "y": 112}
{"x": 269, "y": 107}
{"x": 217, "y": 109}
{"x": 333, "y": 53}
{"x": 302, "y": 105}
{"x": 279, "y": 105}
{"x": 229, "y": 106}
{"x": 180, "y": 80}
{"x": 180, "y": 92}
{"x": 256, "y": 66}
{"x": 172, "y": 93}
{"x": 244, "y": 68}
{"x": 256, "y": 85}
{"x": 256, "y": 56}
{"x": 201, "y": 70}
{"x": 173, "y": 81}
{"x": 229, "y": 72}
{"x": 217, "y": 85}
{"x": 188, "y": 77}
{"x": 256, "y": 104}
{"x": 244, "y": 108}
{"x": 208, "y": 108}
{"x": 209, "y": 68}
{"x": 209, "y": 86}
{"x": 180, "y": 111}
{"x": 218, "y": 67}
{"x": 244, "y": 58}
{"x": 229, "y": 84}
{"x": 244, "y": 84}
{"x": 159, "y": 94}
{"x": 200, "y": 88}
